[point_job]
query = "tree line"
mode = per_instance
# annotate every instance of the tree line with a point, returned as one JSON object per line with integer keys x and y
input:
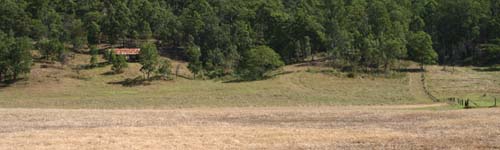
{"x": 220, "y": 36}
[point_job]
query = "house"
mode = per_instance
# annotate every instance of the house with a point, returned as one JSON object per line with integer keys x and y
{"x": 131, "y": 54}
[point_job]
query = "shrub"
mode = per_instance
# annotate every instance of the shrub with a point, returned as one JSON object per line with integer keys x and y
{"x": 93, "y": 59}
{"x": 119, "y": 63}
{"x": 51, "y": 50}
{"x": 165, "y": 69}
{"x": 259, "y": 61}
{"x": 148, "y": 59}
{"x": 194, "y": 54}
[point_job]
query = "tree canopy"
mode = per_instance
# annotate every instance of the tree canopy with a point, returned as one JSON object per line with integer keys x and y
{"x": 15, "y": 57}
{"x": 149, "y": 59}
{"x": 364, "y": 33}
{"x": 258, "y": 61}
{"x": 420, "y": 48}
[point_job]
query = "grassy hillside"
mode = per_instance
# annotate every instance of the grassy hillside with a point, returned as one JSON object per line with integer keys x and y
{"x": 481, "y": 85}
{"x": 51, "y": 86}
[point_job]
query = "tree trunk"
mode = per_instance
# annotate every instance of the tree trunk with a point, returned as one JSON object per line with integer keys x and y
{"x": 123, "y": 43}
{"x": 386, "y": 67}
{"x": 15, "y": 76}
{"x": 312, "y": 55}
{"x": 177, "y": 71}
{"x": 99, "y": 39}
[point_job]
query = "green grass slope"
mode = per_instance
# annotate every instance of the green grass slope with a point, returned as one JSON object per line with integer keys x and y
{"x": 50, "y": 86}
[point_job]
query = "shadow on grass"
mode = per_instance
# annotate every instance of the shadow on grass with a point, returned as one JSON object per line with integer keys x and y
{"x": 240, "y": 80}
{"x": 88, "y": 66}
{"x": 317, "y": 62}
{"x": 138, "y": 81}
{"x": 4, "y": 85}
{"x": 109, "y": 73}
{"x": 410, "y": 70}
{"x": 51, "y": 65}
{"x": 174, "y": 53}
{"x": 490, "y": 69}
{"x": 183, "y": 76}
{"x": 8, "y": 83}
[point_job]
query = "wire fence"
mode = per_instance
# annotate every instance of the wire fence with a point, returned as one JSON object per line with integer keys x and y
{"x": 426, "y": 90}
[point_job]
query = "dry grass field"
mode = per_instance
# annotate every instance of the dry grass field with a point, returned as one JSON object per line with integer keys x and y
{"x": 351, "y": 127}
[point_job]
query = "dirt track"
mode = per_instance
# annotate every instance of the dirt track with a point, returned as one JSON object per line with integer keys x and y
{"x": 355, "y": 127}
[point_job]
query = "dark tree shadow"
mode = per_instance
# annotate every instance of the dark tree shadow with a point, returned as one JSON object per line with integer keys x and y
{"x": 241, "y": 80}
{"x": 174, "y": 53}
{"x": 88, "y": 66}
{"x": 410, "y": 70}
{"x": 8, "y": 83}
{"x": 109, "y": 73}
{"x": 50, "y": 64}
{"x": 183, "y": 76}
{"x": 490, "y": 69}
{"x": 238, "y": 81}
{"x": 42, "y": 61}
{"x": 309, "y": 63}
{"x": 4, "y": 85}
{"x": 138, "y": 81}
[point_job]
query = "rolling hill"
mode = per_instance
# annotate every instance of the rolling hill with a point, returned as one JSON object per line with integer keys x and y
{"x": 54, "y": 86}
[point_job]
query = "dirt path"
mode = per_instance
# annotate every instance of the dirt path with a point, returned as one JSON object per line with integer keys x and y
{"x": 357, "y": 127}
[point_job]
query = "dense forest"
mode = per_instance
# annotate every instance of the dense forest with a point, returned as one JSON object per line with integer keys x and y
{"x": 221, "y": 37}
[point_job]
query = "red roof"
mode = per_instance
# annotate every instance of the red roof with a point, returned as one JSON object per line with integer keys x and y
{"x": 126, "y": 51}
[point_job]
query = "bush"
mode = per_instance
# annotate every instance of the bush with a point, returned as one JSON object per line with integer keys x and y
{"x": 259, "y": 61}
{"x": 15, "y": 57}
{"x": 491, "y": 52}
{"x": 109, "y": 56}
{"x": 195, "y": 65}
{"x": 148, "y": 59}
{"x": 352, "y": 75}
{"x": 165, "y": 69}
{"x": 93, "y": 60}
{"x": 51, "y": 50}
{"x": 119, "y": 63}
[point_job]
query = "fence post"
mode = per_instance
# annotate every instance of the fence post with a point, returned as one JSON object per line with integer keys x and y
{"x": 177, "y": 71}
{"x": 495, "y": 102}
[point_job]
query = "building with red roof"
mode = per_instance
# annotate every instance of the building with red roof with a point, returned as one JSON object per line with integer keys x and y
{"x": 131, "y": 54}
